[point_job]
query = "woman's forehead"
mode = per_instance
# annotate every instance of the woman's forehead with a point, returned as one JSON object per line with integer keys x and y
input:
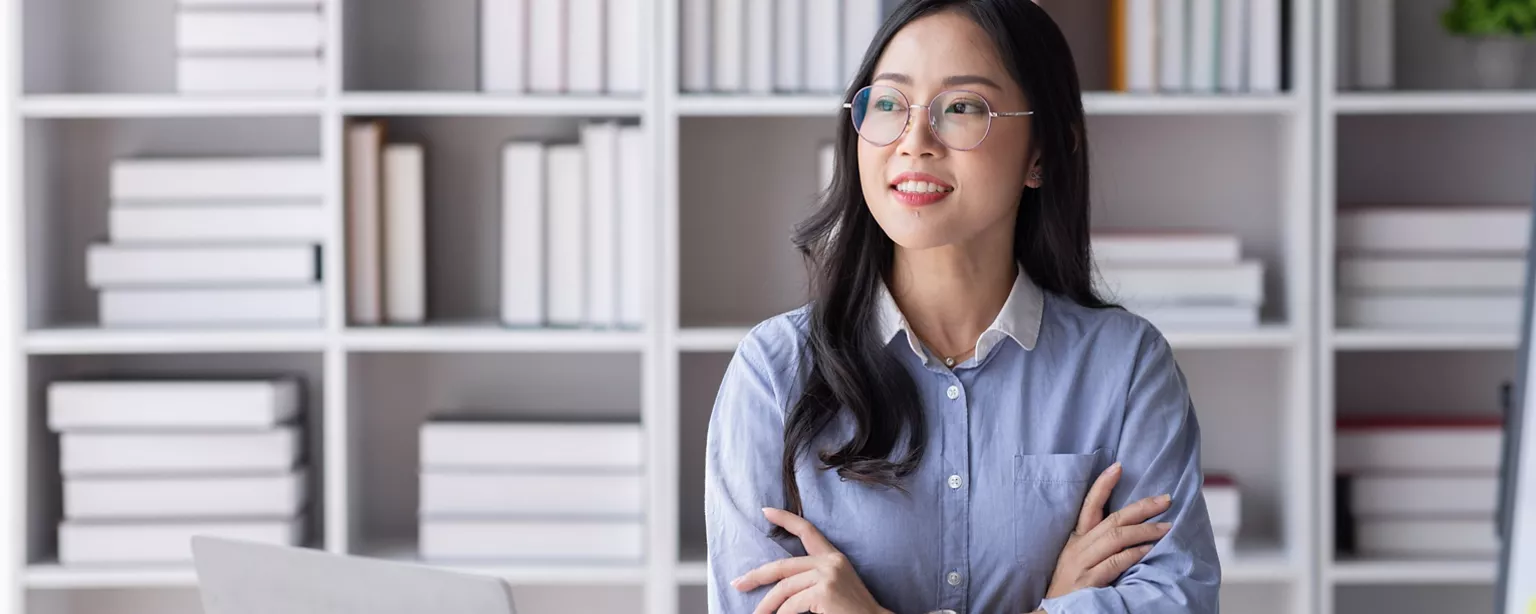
{"x": 938, "y": 47}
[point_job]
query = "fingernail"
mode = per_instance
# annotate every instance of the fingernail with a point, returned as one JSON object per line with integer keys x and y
{"x": 1164, "y": 526}
{"x": 736, "y": 583}
{"x": 1167, "y": 498}
{"x": 766, "y": 510}
{"x": 1115, "y": 468}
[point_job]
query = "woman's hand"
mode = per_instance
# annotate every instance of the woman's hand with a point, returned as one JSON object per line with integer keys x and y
{"x": 823, "y": 581}
{"x": 1100, "y": 549}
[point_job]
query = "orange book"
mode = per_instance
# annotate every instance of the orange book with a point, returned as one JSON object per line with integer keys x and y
{"x": 1119, "y": 79}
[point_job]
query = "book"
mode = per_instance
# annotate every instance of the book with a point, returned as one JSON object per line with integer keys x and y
{"x": 696, "y": 45}
{"x": 249, "y": 75}
{"x": 232, "y": 224}
{"x": 789, "y": 46}
{"x": 528, "y": 444}
{"x": 584, "y": 42}
{"x": 823, "y": 46}
{"x": 1156, "y": 285}
{"x": 1173, "y": 50}
{"x": 299, "y": 305}
{"x": 1444, "y": 445}
{"x": 543, "y": 540}
{"x": 119, "y": 265}
{"x": 1427, "y": 537}
{"x": 170, "y": 541}
{"x": 365, "y": 266}
{"x": 1223, "y": 503}
{"x": 547, "y": 48}
{"x": 209, "y": 453}
{"x": 504, "y": 39}
{"x": 1424, "y": 495}
{"x": 1423, "y": 229}
{"x": 248, "y": 3}
{"x": 567, "y": 267}
{"x": 523, "y": 260}
{"x": 728, "y": 47}
{"x": 1431, "y": 274}
{"x": 1234, "y": 46}
{"x": 1167, "y": 316}
{"x": 249, "y": 32}
{"x": 1374, "y": 44}
{"x": 278, "y": 495}
{"x": 1204, "y": 45}
{"x": 1147, "y": 248}
{"x": 634, "y": 226}
{"x": 226, "y": 404}
{"x": 600, "y": 145}
{"x": 167, "y": 180}
{"x": 1142, "y": 45}
{"x": 861, "y": 21}
{"x": 1428, "y": 310}
{"x": 405, "y": 235}
{"x": 761, "y": 16}
{"x": 613, "y": 494}
{"x": 625, "y": 70}
{"x": 1264, "y": 46}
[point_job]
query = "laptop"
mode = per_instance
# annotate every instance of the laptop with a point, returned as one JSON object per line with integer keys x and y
{"x": 239, "y": 577}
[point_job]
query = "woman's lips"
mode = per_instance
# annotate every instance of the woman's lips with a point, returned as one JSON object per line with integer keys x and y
{"x": 919, "y": 189}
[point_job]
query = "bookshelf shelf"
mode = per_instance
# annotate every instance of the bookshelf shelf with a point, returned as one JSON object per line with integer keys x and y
{"x": 86, "y": 340}
{"x": 1413, "y": 572}
{"x": 1094, "y": 103}
{"x": 1433, "y": 102}
{"x": 489, "y": 338}
{"x": 474, "y": 104}
{"x": 163, "y": 105}
{"x": 1368, "y": 340}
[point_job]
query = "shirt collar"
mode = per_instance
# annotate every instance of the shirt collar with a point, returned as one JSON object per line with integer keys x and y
{"x": 1019, "y": 319}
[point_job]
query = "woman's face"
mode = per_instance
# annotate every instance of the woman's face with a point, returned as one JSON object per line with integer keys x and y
{"x": 921, "y": 192}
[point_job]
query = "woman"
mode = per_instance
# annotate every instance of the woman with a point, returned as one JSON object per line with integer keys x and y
{"x": 923, "y": 434}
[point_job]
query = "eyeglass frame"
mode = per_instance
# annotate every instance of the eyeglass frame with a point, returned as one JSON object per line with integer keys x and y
{"x": 927, "y": 108}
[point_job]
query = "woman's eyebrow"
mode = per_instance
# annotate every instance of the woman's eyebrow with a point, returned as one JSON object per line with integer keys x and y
{"x": 953, "y": 81}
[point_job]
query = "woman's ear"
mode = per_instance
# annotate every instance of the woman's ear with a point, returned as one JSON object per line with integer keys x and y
{"x": 1035, "y": 176}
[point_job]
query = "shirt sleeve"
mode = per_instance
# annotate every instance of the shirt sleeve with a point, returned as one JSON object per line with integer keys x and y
{"x": 741, "y": 476}
{"x": 1160, "y": 454}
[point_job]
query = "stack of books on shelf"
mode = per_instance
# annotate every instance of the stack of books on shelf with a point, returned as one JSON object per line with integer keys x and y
{"x": 148, "y": 464}
{"x": 1197, "y": 46}
{"x": 775, "y": 46}
{"x": 211, "y": 242}
{"x": 532, "y": 491}
{"x": 250, "y": 47}
{"x": 574, "y": 222}
{"x": 561, "y": 46}
{"x": 1223, "y": 501}
{"x": 1180, "y": 280}
{"x": 1418, "y": 487}
{"x": 1432, "y": 267}
{"x": 386, "y": 228}
{"x": 826, "y": 164}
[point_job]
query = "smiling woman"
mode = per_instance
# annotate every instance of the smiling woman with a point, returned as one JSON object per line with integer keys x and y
{"x": 945, "y": 425}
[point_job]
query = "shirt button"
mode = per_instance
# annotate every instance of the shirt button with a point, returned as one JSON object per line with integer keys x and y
{"x": 953, "y": 578}
{"x": 953, "y": 392}
{"x": 954, "y": 481}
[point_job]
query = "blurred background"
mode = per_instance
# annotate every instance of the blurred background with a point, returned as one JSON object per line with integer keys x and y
{"x": 361, "y": 275}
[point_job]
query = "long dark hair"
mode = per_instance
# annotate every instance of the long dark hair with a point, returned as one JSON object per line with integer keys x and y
{"x": 850, "y": 255}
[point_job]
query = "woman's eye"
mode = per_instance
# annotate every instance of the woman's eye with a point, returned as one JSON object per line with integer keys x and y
{"x": 963, "y": 107}
{"x": 885, "y": 104}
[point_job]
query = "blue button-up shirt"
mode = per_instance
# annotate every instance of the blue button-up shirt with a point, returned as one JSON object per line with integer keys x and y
{"x": 1054, "y": 394}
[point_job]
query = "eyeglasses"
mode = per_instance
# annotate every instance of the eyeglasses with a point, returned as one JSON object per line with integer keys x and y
{"x": 881, "y": 115}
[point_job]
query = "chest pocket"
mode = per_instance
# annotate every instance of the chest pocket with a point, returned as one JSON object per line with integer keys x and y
{"x": 1049, "y": 491}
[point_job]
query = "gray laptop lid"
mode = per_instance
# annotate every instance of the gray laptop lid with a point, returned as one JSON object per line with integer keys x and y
{"x": 237, "y": 577}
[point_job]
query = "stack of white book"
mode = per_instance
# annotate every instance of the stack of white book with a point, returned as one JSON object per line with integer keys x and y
{"x": 826, "y": 164}
{"x": 1421, "y": 487}
{"x": 1201, "y": 46}
{"x": 1223, "y": 501}
{"x": 561, "y": 46}
{"x": 386, "y": 228}
{"x": 775, "y": 46}
{"x": 148, "y": 464}
{"x": 1180, "y": 280}
{"x": 250, "y": 47}
{"x": 211, "y": 242}
{"x": 531, "y": 491}
{"x": 1423, "y": 267}
{"x": 574, "y": 221}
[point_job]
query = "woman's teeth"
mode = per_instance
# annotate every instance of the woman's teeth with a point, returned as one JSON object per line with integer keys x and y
{"x": 921, "y": 187}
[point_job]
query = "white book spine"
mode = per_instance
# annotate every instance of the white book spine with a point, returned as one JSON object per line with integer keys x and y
{"x": 584, "y": 46}
{"x": 823, "y": 46}
{"x": 504, "y": 46}
{"x": 730, "y": 45}
{"x": 789, "y": 46}
{"x": 1419, "y": 449}
{"x": 252, "y": 32}
{"x": 1424, "y": 495}
{"x": 365, "y": 265}
{"x": 567, "y": 249}
{"x": 1264, "y": 51}
{"x": 291, "y": 306}
{"x": 591, "y": 540}
{"x": 116, "y": 265}
{"x": 1239, "y": 284}
{"x": 1173, "y": 50}
{"x": 634, "y": 227}
{"x": 149, "y": 498}
{"x": 1423, "y": 230}
{"x": 249, "y": 75}
{"x": 171, "y": 405}
{"x": 1204, "y": 19}
{"x": 1206, "y": 317}
{"x": 1387, "y": 274}
{"x": 1146, "y": 249}
{"x": 1224, "y": 505}
{"x": 445, "y": 494}
{"x": 1477, "y": 311}
{"x": 1374, "y": 44}
{"x": 1234, "y": 46}
{"x": 264, "y": 4}
{"x": 861, "y": 21}
{"x": 1142, "y": 44}
{"x": 547, "y": 48}
{"x": 626, "y": 50}
{"x": 1344, "y": 61}
{"x": 696, "y": 45}
{"x": 826, "y": 165}
{"x": 1408, "y": 537}
{"x": 454, "y": 445}
{"x": 405, "y": 240}
{"x": 523, "y": 259}
{"x": 217, "y": 224}
{"x": 106, "y": 453}
{"x": 760, "y": 53}
{"x": 202, "y": 179}
{"x": 600, "y": 143}
{"x": 102, "y": 542}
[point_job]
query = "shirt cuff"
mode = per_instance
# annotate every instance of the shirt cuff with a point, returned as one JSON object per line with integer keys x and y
{"x": 1080, "y": 601}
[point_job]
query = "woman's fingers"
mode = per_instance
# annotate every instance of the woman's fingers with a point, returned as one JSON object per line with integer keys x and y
{"x": 769, "y": 573}
{"x": 1104, "y": 573}
{"x": 815, "y": 544}
{"x": 1092, "y": 512}
{"x": 1110, "y": 543}
{"x": 1135, "y": 513}
{"x": 784, "y": 590}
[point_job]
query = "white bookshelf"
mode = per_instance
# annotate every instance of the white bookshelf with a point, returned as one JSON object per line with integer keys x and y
{"x": 1267, "y": 168}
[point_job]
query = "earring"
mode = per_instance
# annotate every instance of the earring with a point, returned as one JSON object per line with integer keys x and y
{"x": 1034, "y": 174}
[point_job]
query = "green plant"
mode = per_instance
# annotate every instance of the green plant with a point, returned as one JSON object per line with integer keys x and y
{"x": 1490, "y": 17}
